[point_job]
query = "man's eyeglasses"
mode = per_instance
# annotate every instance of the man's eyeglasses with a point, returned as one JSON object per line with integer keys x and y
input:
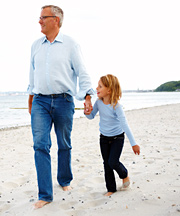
{"x": 44, "y": 17}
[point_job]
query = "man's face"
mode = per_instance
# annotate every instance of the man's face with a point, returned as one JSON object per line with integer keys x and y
{"x": 47, "y": 23}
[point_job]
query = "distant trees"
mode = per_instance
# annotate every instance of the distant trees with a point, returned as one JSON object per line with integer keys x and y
{"x": 169, "y": 86}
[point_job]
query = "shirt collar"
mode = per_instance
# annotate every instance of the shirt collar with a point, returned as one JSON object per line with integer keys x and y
{"x": 59, "y": 38}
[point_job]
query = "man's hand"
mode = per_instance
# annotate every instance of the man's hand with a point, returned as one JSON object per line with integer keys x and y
{"x": 88, "y": 105}
{"x": 136, "y": 149}
{"x": 30, "y": 100}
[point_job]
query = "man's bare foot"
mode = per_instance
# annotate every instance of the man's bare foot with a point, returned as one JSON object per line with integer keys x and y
{"x": 108, "y": 194}
{"x": 40, "y": 204}
{"x": 67, "y": 188}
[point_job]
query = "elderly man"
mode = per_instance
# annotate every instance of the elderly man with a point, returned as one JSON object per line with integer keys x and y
{"x": 56, "y": 63}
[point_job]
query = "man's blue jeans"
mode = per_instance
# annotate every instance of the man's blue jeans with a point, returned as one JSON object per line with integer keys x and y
{"x": 46, "y": 111}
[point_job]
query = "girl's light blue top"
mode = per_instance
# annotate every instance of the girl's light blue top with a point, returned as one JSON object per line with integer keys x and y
{"x": 57, "y": 67}
{"x": 112, "y": 121}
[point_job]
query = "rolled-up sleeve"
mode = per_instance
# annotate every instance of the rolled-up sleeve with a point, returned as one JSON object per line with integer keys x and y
{"x": 85, "y": 86}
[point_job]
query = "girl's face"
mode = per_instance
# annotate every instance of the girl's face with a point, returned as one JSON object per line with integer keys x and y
{"x": 102, "y": 91}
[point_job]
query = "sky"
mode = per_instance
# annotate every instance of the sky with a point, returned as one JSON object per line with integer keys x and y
{"x": 136, "y": 40}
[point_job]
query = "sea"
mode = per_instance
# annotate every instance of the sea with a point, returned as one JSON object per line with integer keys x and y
{"x": 14, "y": 107}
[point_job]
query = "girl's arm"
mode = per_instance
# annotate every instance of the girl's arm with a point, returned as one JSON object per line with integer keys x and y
{"x": 121, "y": 115}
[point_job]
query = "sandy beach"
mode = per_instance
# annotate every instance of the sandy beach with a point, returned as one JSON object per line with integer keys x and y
{"x": 155, "y": 174}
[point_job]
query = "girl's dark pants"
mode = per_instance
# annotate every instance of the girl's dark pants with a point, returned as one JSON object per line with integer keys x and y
{"x": 111, "y": 148}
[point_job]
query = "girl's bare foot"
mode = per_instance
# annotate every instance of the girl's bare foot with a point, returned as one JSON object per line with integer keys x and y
{"x": 108, "y": 194}
{"x": 40, "y": 204}
{"x": 67, "y": 188}
{"x": 126, "y": 183}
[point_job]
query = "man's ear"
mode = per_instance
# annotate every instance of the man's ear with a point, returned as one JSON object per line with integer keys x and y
{"x": 57, "y": 20}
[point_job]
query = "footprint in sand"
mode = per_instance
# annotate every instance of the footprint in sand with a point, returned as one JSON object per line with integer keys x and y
{"x": 81, "y": 208}
{"x": 136, "y": 173}
{"x": 96, "y": 195}
{"x": 97, "y": 203}
{"x": 176, "y": 159}
{"x": 4, "y": 207}
{"x": 69, "y": 205}
{"x": 97, "y": 180}
{"x": 10, "y": 185}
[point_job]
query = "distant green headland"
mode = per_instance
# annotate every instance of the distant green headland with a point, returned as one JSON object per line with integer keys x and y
{"x": 169, "y": 86}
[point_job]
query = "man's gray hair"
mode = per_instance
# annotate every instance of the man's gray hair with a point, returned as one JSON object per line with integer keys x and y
{"x": 56, "y": 11}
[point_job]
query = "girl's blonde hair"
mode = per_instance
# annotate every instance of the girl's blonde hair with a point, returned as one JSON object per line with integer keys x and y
{"x": 113, "y": 84}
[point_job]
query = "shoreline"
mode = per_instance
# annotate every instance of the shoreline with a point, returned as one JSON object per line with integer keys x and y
{"x": 129, "y": 110}
{"x": 154, "y": 175}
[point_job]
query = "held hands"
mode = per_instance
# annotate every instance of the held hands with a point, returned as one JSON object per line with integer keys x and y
{"x": 136, "y": 149}
{"x": 87, "y": 105}
{"x": 87, "y": 109}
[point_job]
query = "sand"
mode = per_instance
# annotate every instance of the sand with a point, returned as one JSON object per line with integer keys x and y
{"x": 155, "y": 174}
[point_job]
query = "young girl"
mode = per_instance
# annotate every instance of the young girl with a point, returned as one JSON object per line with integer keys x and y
{"x": 112, "y": 126}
